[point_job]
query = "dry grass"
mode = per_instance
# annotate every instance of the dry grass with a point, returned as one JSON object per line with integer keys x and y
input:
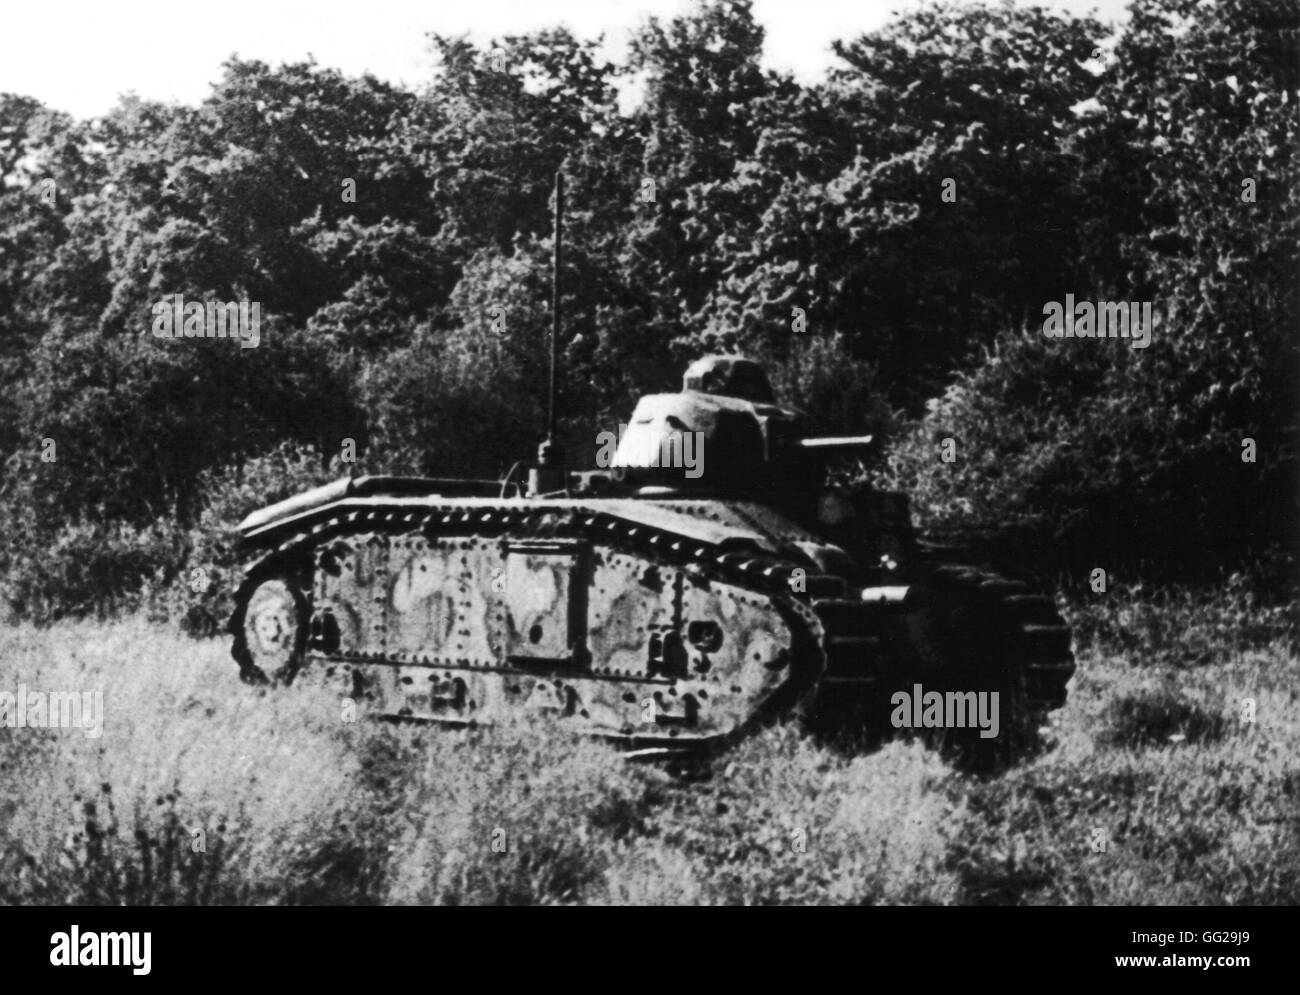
{"x": 295, "y": 805}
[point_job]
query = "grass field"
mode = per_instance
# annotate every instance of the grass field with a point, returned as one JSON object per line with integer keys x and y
{"x": 203, "y": 790}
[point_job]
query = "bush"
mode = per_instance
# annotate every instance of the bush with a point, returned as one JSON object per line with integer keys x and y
{"x": 108, "y": 568}
{"x": 89, "y": 568}
{"x": 839, "y": 392}
{"x": 1079, "y": 453}
{"x": 203, "y": 597}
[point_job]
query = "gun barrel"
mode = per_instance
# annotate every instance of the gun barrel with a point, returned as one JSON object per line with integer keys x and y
{"x": 836, "y": 442}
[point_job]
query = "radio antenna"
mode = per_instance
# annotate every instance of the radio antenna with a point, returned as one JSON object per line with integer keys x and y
{"x": 557, "y": 260}
{"x": 548, "y": 475}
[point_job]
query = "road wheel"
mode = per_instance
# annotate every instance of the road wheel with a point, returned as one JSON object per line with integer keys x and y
{"x": 271, "y": 632}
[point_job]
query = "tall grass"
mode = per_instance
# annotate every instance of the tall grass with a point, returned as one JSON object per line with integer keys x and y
{"x": 1154, "y": 789}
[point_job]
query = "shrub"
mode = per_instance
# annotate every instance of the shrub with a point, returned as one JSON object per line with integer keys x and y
{"x": 89, "y": 568}
{"x": 203, "y": 595}
{"x": 1075, "y": 453}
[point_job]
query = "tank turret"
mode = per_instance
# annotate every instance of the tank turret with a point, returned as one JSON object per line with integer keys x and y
{"x": 724, "y": 431}
{"x": 729, "y": 376}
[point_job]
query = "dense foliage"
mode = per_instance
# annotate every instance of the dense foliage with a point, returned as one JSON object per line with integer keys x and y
{"x": 962, "y": 166}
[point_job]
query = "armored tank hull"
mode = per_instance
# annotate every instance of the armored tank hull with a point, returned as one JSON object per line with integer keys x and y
{"x": 668, "y": 625}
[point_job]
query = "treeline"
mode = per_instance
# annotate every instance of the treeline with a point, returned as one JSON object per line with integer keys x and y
{"x": 885, "y": 239}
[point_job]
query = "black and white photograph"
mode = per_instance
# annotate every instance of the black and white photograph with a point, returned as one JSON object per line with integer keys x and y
{"x": 651, "y": 453}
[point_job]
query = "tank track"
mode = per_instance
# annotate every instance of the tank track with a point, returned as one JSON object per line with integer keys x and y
{"x": 845, "y": 656}
{"x": 1028, "y": 627}
{"x": 291, "y": 550}
{"x": 969, "y": 629}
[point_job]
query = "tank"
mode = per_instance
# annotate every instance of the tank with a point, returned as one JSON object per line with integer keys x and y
{"x": 700, "y": 582}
